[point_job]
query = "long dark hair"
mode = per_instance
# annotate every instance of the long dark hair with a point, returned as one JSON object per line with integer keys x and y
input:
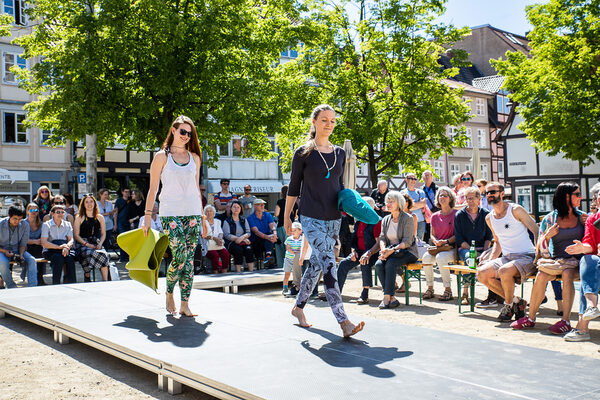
{"x": 192, "y": 145}
{"x": 309, "y": 146}
{"x": 562, "y": 198}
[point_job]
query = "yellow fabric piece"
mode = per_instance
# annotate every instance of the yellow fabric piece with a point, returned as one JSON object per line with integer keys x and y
{"x": 145, "y": 254}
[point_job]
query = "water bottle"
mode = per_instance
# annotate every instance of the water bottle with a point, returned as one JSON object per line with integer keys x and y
{"x": 472, "y": 261}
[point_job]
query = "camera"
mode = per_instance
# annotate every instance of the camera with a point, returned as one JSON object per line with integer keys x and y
{"x": 16, "y": 258}
{"x": 92, "y": 240}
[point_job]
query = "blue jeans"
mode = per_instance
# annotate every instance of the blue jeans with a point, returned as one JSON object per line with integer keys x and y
{"x": 29, "y": 265}
{"x": 589, "y": 274}
{"x": 387, "y": 270}
{"x": 346, "y": 265}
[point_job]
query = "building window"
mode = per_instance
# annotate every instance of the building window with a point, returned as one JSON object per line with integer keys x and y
{"x": 9, "y": 61}
{"x": 239, "y": 147}
{"x": 500, "y": 169}
{"x": 44, "y": 136}
{"x": 468, "y": 101}
{"x": 16, "y": 9}
{"x": 481, "y": 138}
{"x": 480, "y": 107}
{"x": 439, "y": 170}
{"x": 469, "y": 142}
{"x": 524, "y": 197}
{"x": 454, "y": 170}
{"x": 452, "y": 132}
{"x": 484, "y": 171}
{"x": 14, "y": 128}
{"x": 467, "y": 167}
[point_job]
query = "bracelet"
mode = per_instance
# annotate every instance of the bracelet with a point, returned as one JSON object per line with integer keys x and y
{"x": 148, "y": 212}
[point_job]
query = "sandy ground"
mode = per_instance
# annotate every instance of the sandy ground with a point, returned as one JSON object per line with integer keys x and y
{"x": 34, "y": 367}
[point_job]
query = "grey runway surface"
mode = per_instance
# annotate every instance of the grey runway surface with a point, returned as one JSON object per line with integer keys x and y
{"x": 244, "y": 347}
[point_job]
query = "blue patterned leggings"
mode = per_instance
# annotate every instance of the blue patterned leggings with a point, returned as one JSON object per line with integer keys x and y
{"x": 321, "y": 236}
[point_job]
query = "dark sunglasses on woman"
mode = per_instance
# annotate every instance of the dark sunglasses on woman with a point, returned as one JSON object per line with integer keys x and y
{"x": 183, "y": 132}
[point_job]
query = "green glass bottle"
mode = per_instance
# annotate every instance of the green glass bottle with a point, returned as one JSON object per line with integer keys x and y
{"x": 472, "y": 261}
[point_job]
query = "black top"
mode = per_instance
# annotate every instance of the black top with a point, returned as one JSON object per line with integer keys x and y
{"x": 318, "y": 194}
{"x": 467, "y": 230}
{"x": 133, "y": 210}
{"x": 90, "y": 228}
{"x": 281, "y": 204}
{"x": 379, "y": 199}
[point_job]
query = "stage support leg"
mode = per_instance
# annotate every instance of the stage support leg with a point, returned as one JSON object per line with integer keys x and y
{"x": 162, "y": 382}
{"x": 234, "y": 289}
{"x": 174, "y": 387}
{"x": 226, "y": 289}
{"x": 60, "y": 338}
{"x": 2, "y": 314}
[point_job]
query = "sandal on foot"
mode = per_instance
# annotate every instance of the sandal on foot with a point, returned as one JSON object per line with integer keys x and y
{"x": 428, "y": 294}
{"x": 447, "y": 296}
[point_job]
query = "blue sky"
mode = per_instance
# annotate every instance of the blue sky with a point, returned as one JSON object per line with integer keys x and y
{"x": 508, "y": 15}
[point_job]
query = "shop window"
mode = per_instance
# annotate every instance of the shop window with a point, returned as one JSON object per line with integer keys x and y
{"x": 239, "y": 147}
{"x": 14, "y": 128}
{"x": 524, "y": 197}
{"x": 501, "y": 169}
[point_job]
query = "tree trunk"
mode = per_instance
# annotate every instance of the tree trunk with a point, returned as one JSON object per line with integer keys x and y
{"x": 91, "y": 163}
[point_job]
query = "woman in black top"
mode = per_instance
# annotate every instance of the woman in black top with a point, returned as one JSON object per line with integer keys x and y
{"x": 89, "y": 231}
{"x": 135, "y": 211}
{"x": 317, "y": 177}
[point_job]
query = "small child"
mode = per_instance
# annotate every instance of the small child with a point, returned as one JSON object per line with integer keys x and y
{"x": 293, "y": 245}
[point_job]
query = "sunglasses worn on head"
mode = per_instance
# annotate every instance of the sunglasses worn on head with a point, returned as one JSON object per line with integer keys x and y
{"x": 492, "y": 192}
{"x": 183, "y": 132}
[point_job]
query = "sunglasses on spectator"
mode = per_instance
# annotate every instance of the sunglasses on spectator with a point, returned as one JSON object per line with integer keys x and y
{"x": 183, "y": 132}
{"x": 203, "y": 190}
{"x": 491, "y": 192}
{"x": 44, "y": 191}
{"x": 247, "y": 190}
{"x": 411, "y": 179}
{"x": 33, "y": 210}
{"x": 466, "y": 179}
{"x": 59, "y": 202}
{"x": 225, "y": 183}
{"x": 59, "y": 212}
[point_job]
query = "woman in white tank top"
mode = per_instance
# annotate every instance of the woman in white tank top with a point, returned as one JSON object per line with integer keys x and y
{"x": 177, "y": 167}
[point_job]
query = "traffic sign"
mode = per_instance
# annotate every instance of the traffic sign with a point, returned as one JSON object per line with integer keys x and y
{"x": 81, "y": 177}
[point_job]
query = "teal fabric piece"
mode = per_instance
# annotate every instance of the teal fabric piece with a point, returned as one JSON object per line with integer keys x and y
{"x": 351, "y": 202}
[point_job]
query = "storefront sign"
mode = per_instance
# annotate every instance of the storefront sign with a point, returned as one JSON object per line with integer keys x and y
{"x": 237, "y": 186}
{"x": 12, "y": 176}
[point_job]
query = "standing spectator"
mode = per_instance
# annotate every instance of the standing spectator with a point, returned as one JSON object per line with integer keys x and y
{"x": 89, "y": 232}
{"x": 135, "y": 211}
{"x": 34, "y": 244}
{"x": 559, "y": 229}
{"x": 57, "y": 239}
{"x": 224, "y": 197}
{"x": 509, "y": 224}
{"x": 419, "y": 201}
{"x": 236, "y": 232}
{"x": 430, "y": 190}
{"x": 397, "y": 247}
{"x": 589, "y": 272}
{"x": 247, "y": 201}
{"x": 59, "y": 200}
{"x": 108, "y": 212}
{"x": 203, "y": 195}
{"x": 264, "y": 233}
{"x": 467, "y": 180}
{"x": 70, "y": 206}
{"x": 281, "y": 235}
{"x": 364, "y": 252}
{"x": 14, "y": 235}
{"x": 470, "y": 225}
{"x": 457, "y": 183}
{"x": 378, "y": 195}
{"x": 481, "y": 184}
{"x": 217, "y": 253}
{"x": 43, "y": 199}
{"x": 442, "y": 236}
{"x": 121, "y": 221}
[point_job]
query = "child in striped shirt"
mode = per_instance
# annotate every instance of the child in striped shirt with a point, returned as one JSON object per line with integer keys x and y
{"x": 293, "y": 245}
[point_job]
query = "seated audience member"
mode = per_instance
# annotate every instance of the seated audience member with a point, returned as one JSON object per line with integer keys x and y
{"x": 89, "y": 232}
{"x": 154, "y": 219}
{"x": 558, "y": 230}
{"x": 407, "y": 209}
{"x": 468, "y": 180}
{"x": 442, "y": 237}
{"x": 34, "y": 244}
{"x": 57, "y": 239}
{"x": 364, "y": 252}
{"x": 509, "y": 224}
{"x": 470, "y": 225}
{"x": 264, "y": 232}
{"x": 589, "y": 272}
{"x": 457, "y": 183}
{"x": 59, "y": 200}
{"x": 236, "y": 232}
{"x": 14, "y": 235}
{"x": 135, "y": 210}
{"x": 293, "y": 245}
{"x": 397, "y": 246}
{"x": 70, "y": 207}
{"x": 43, "y": 199}
{"x": 216, "y": 252}
{"x": 224, "y": 197}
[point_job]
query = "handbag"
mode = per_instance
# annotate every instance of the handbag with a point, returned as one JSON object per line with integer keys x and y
{"x": 434, "y": 250}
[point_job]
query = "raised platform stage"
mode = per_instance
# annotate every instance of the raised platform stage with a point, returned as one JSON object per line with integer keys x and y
{"x": 243, "y": 347}
{"x": 231, "y": 281}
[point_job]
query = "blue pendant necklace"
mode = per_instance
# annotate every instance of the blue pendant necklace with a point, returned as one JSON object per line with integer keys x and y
{"x": 323, "y": 158}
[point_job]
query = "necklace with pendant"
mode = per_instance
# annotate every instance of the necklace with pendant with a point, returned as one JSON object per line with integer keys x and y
{"x": 323, "y": 158}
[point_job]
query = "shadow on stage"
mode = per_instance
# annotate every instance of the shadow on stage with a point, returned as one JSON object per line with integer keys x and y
{"x": 182, "y": 332}
{"x": 343, "y": 352}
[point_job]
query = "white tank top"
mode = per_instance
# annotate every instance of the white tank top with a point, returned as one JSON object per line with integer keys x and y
{"x": 511, "y": 233}
{"x": 179, "y": 196}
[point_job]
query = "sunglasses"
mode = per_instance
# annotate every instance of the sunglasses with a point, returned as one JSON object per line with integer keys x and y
{"x": 247, "y": 190}
{"x": 466, "y": 179}
{"x": 59, "y": 202}
{"x": 33, "y": 210}
{"x": 411, "y": 179}
{"x": 225, "y": 183}
{"x": 578, "y": 194}
{"x": 59, "y": 212}
{"x": 491, "y": 192}
{"x": 183, "y": 132}
{"x": 203, "y": 190}
{"x": 44, "y": 191}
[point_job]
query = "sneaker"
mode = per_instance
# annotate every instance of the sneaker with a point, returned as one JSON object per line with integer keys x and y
{"x": 577, "y": 336}
{"x": 286, "y": 292}
{"x": 591, "y": 313}
{"x": 522, "y": 323}
{"x": 314, "y": 296}
{"x": 294, "y": 291}
{"x": 362, "y": 300}
{"x": 269, "y": 261}
{"x": 487, "y": 303}
{"x": 506, "y": 314}
{"x": 519, "y": 309}
{"x": 561, "y": 327}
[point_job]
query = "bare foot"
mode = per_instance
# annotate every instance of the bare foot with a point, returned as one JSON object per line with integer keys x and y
{"x": 299, "y": 313}
{"x": 171, "y": 304}
{"x": 349, "y": 329}
{"x": 185, "y": 310}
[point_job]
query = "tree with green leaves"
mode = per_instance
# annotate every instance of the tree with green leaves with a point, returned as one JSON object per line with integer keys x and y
{"x": 558, "y": 88}
{"x": 122, "y": 70}
{"x": 381, "y": 72}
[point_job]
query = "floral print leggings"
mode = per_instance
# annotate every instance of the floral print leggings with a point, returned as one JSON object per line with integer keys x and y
{"x": 183, "y": 235}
